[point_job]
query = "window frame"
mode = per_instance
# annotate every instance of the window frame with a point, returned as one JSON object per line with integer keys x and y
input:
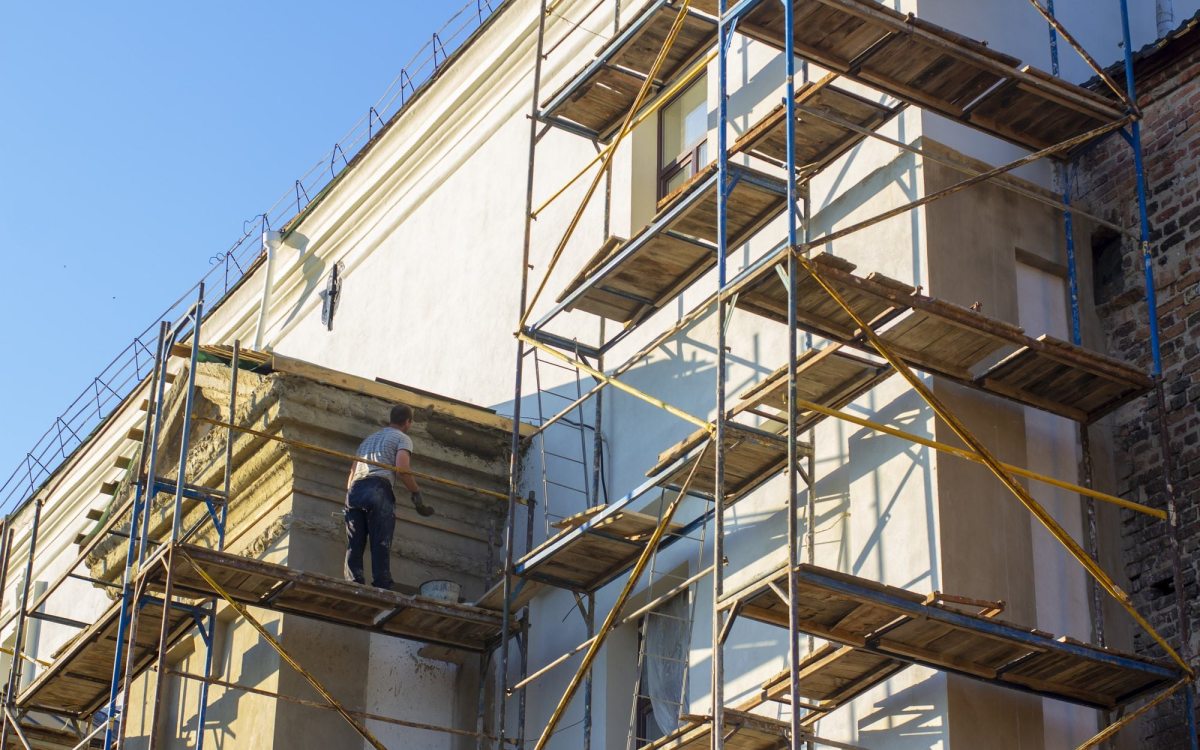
{"x": 687, "y": 160}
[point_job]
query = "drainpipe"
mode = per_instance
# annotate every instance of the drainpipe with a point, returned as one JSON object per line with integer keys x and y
{"x": 270, "y": 242}
{"x": 34, "y": 637}
{"x": 1165, "y": 14}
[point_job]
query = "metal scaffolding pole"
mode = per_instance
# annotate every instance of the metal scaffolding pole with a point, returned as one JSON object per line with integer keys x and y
{"x": 157, "y": 734}
{"x": 14, "y": 666}
{"x": 226, "y": 485}
{"x": 139, "y": 498}
{"x": 793, "y": 487}
{"x": 1134, "y": 138}
{"x": 1063, "y": 171}
{"x": 514, "y": 469}
{"x": 725, "y": 31}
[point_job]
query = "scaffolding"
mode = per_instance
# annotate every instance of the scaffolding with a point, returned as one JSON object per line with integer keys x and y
{"x": 173, "y": 582}
{"x": 874, "y": 327}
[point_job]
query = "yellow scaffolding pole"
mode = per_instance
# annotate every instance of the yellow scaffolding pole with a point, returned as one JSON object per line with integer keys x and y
{"x": 283, "y": 654}
{"x": 619, "y": 385}
{"x": 626, "y": 125}
{"x": 610, "y": 621}
{"x": 985, "y": 455}
{"x": 663, "y": 97}
{"x": 1120, "y": 724}
{"x": 970, "y": 456}
{"x": 350, "y": 457}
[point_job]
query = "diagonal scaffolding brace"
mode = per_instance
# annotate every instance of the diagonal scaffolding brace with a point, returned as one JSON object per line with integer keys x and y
{"x": 610, "y": 620}
{"x": 287, "y": 657}
{"x": 1006, "y": 477}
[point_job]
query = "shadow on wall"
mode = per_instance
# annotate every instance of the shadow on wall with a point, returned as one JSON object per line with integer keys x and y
{"x": 870, "y": 449}
{"x": 311, "y": 270}
{"x": 908, "y": 719}
{"x": 257, "y": 665}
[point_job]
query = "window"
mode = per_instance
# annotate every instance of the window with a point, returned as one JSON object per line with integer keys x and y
{"x": 1107, "y": 271}
{"x": 682, "y": 137}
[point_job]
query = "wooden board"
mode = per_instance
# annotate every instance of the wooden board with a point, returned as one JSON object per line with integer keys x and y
{"x": 831, "y": 377}
{"x": 764, "y": 292}
{"x": 51, "y": 737}
{"x": 746, "y": 731}
{"x": 626, "y": 280}
{"x": 948, "y": 340}
{"x": 1034, "y": 115}
{"x": 592, "y": 557}
{"x": 1055, "y": 371}
{"x": 743, "y": 731}
{"x": 752, "y": 456}
{"x": 523, "y": 592}
{"x": 78, "y": 680}
{"x": 899, "y": 624}
{"x": 283, "y": 589}
{"x": 818, "y": 142}
{"x": 597, "y": 99}
{"x": 831, "y": 677}
{"x": 932, "y": 67}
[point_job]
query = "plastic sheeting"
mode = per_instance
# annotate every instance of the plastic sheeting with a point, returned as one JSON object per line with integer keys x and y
{"x": 668, "y": 636}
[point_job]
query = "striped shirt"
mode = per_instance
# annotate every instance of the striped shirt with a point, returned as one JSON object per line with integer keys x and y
{"x": 381, "y": 447}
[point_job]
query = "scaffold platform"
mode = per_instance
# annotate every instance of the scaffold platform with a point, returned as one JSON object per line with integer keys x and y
{"x": 831, "y": 377}
{"x": 947, "y": 340}
{"x": 819, "y": 142}
{"x": 627, "y": 280}
{"x": 752, "y": 456}
{"x": 596, "y": 100}
{"x": 282, "y": 589}
{"x": 592, "y": 548}
{"x": 58, "y": 737}
{"x": 899, "y": 625}
{"x": 830, "y": 677}
{"x": 79, "y": 678}
{"x": 743, "y": 731}
{"x": 929, "y": 66}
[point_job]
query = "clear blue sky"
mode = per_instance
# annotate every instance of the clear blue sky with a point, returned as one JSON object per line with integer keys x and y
{"x": 135, "y": 139}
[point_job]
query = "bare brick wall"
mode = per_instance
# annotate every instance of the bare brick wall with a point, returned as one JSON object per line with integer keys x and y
{"x": 1169, "y": 96}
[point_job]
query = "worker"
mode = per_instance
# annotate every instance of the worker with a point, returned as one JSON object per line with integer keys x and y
{"x": 371, "y": 504}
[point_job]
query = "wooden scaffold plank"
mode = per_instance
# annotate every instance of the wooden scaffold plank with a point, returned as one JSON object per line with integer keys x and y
{"x": 596, "y": 99}
{"x": 944, "y": 339}
{"x": 282, "y": 589}
{"x": 932, "y": 67}
{"x": 904, "y": 626}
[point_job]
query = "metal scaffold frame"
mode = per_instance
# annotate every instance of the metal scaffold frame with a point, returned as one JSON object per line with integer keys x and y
{"x": 151, "y": 563}
{"x": 698, "y": 471}
{"x": 796, "y": 256}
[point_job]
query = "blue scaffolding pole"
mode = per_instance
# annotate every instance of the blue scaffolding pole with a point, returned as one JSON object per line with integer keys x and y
{"x": 147, "y": 486}
{"x": 153, "y": 414}
{"x": 1134, "y": 137}
{"x": 1095, "y": 594}
{"x": 208, "y": 628}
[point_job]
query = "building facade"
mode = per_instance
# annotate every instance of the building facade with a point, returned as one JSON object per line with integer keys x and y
{"x": 1166, "y": 74}
{"x": 426, "y": 233}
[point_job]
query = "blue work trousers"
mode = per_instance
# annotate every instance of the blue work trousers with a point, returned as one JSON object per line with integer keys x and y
{"x": 370, "y": 515}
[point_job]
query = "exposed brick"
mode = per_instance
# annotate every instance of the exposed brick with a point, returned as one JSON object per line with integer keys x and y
{"x": 1170, "y": 98}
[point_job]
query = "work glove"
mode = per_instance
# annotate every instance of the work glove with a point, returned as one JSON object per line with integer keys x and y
{"x": 419, "y": 504}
